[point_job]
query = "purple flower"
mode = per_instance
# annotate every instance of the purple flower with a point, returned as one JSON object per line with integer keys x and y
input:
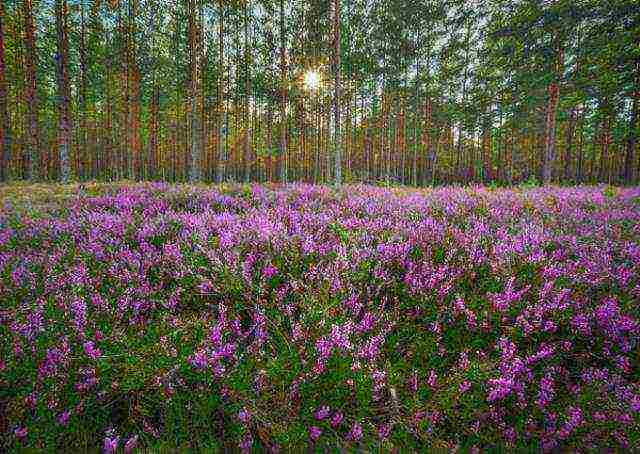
{"x": 244, "y": 415}
{"x": 131, "y": 444}
{"x": 336, "y": 419}
{"x": 246, "y": 443}
{"x": 91, "y": 350}
{"x": 384, "y": 430}
{"x": 269, "y": 271}
{"x": 110, "y": 444}
{"x": 464, "y": 386}
{"x": 432, "y": 380}
{"x": 314, "y": 433}
{"x": 355, "y": 434}
{"x": 63, "y": 418}
{"x": 322, "y": 413}
{"x": 21, "y": 432}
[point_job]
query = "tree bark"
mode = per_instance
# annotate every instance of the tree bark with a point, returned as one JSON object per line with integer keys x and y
{"x": 568, "y": 152}
{"x": 194, "y": 94}
{"x": 336, "y": 93}
{"x": 283, "y": 100}
{"x": 64, "y": 92}
{"x": 31, "y": 59}
{"x": 550, "y": 124}
{"x": 5, "y": 121}
{"x": 628, "y": 170}
{"x": 222, "y": 111}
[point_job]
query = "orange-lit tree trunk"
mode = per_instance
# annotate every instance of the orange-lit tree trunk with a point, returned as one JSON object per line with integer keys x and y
{"x": 135, "y": 141}
{"x": 337, "y": 146}
{"x": 152, "y": 144}
{"x": 246, "y": 140}
{"x": 194, "y": 93}
{"x": 64, "y": 92}
{"x": 5, "y": 121}
{"x": 222, "y": 110}
{"x": 603, "y": 169}
{"x": 283, "y": 99}
{"x": 81, "y": 132}
{"x": 568, "y": 145}
{"x": 549, "y": 155}
{"x": 487, "y": 174}
{"x": 429, "y": 143}
{"x": 31, "y": 59}
{"x": 629, "y": 159}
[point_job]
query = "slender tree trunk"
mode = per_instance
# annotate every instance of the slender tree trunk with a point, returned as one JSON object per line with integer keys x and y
{"x": 568, "y": 155}
{"x": 64, "y": 92}
{"x": 283, "y": 100}
{"x": 31, "y": 60}
{"x": 487, "y": 174}
{"x": 580, "y": 149}
{"x": 336, "y": 94}
{"x": 222, "y": 111}
{"x": 632, "y": 138}
{"x": 550, "y": 125}
{"x": 603, "y": 169}
{"x": 246, "y": 140}
{"x": 5, "y": 121}
{"x": 82, "y": 105}
{"x": 195, "y": 174}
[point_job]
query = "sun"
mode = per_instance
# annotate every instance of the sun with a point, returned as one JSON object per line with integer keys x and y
{"x": 312, "y": 80}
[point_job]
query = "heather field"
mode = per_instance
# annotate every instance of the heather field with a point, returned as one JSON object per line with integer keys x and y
{"x": 286, "y": 318}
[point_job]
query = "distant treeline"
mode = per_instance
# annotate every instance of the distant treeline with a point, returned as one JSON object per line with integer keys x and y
{"x": 422, "y": 91}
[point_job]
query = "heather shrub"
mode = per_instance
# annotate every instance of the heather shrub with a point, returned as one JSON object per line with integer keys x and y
{"x": 267, "y": 317}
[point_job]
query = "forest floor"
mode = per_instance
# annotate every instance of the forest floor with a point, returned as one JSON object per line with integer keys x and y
{"x": 269, "y": 317}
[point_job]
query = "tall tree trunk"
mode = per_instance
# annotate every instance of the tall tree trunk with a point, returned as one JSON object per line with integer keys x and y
{"x": 222, "y": 111}
{"x": 31, "y": 59}
{"x": 82, "y": 104}
{"x": 580, "y": 148}
{"x": 550, "y": 124}
{"x": 194, "y": 93}
{"x": 430, "y": 144}
{"x": 246, "y": 140}
{"x": 632, "y": 138}
{"x": 283, "y": 100}
{"x": 5, "y": 121}
{"x": 64, "y": 92}
{"x": 336, "y": 93}
{"x": 569, "y": 144}
{"x": 487, "y": 174}
{"x": 603, "y": 169}
{"x": 152, "y": 144}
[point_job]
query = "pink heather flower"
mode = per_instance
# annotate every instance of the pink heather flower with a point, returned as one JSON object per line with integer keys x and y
{"x": 21, "y": 432}
{"x": 63, "y": 418}
{"x": 246, "y": 443}
{"x": 269, "y": 271}
{"x": 432, "y": 380}
{"x": 314, "y": 433}
{"x": 110, "y": 444}
{"x": 384, "y": 430}
{"x": 336, "y": 419}
{"x": 244, "y": 415}
{"x": 356, "y": 432}
{"x": 464, "y": 386}
{"x": 322, "y": 412}
{"x": 367, "y": 322}
{"x": 91, "y": 350}
{"x": 412, "y": 382}
{"x": 131, "y": 444}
